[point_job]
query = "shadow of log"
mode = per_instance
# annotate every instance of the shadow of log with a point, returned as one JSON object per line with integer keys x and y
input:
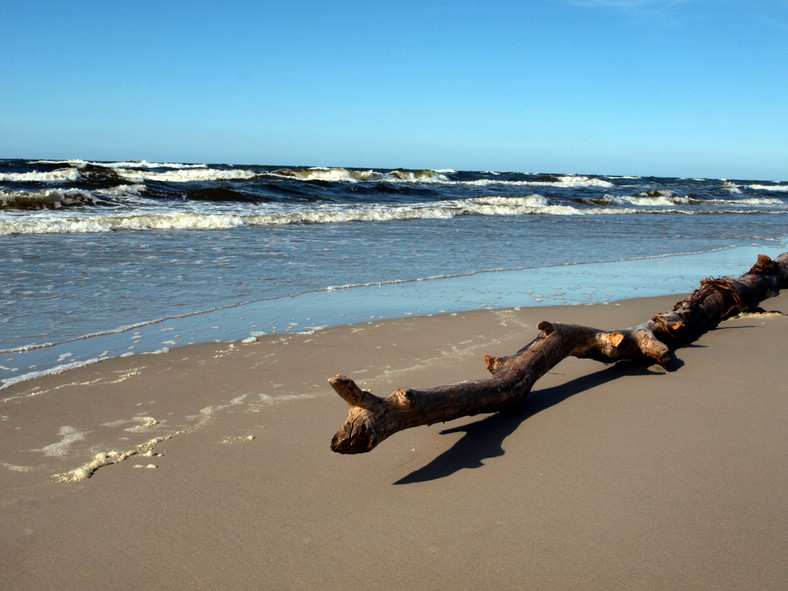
{"x": 372, "y": 419}
{"x": 484, "y": 438}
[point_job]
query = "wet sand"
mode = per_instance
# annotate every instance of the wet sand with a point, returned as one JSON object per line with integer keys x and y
{"x": 209, "y": 467}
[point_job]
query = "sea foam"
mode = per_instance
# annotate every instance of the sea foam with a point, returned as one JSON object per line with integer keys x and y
{"x": 55, "y": 176}
{"x": 189, "y": 175}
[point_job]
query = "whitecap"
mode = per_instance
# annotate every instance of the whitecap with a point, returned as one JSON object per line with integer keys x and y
{"x": 326, "y": 174}
{"x": 146, "y": 164}
{"x": 759, "y": 187}
{"x": 566, "y": 182}
{"x": 729, "y": 186}
{"x": 185, "y": 175}
{"x": 54, "y": 176}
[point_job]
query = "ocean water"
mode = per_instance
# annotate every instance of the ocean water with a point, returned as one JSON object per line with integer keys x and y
{"x": 101, "y": 259}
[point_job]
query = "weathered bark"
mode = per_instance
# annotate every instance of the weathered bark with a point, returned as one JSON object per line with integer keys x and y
{"x": 372, "y": 419}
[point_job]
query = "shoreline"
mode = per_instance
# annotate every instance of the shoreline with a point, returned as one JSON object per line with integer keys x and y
{"x": 610, "y": 476}
{"x": 580, "y": 284}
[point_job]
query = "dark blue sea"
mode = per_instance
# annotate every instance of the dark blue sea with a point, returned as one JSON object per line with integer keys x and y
{"x": 101, "y": 259}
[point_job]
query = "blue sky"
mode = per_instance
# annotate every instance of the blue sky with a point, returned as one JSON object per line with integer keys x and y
{"x": 649, "y": 87}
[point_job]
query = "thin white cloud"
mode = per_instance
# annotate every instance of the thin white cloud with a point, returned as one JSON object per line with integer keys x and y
{"x": 627, "y": 4}
{"x": 776, "y": 16}
{"x": 653, "y": 11}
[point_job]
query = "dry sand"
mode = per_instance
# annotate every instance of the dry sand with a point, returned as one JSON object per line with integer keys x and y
{"x": 609, "y": 478}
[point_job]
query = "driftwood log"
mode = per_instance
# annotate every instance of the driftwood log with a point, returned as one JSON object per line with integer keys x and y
{"x": 372, "y": 419}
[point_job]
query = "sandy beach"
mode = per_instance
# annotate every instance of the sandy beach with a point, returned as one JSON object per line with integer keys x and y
{"x": 209, "y": 466}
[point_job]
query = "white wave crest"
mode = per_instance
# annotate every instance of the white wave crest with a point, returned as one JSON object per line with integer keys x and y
{"x": 189, "y": 175}
{"x": 757, "y": 201}
{"x": 53, "y": 176}
{"x": 569, "y": 181}
{"x": 781, "y": 188}
{"x": 336, "y": 215}
{"x": 212, "y": 217}
{"x": 135, "y": 189}
{"x": 146, "y": 164}
{"x": 53, "y": 223}
{"x": 343, "y": 175}
{"x": 730, "y": 187}
{"x": 668, "y": 199}
{"x": 651, "y": 199}
{"x": 119, "y": 164}
{"x": 319, "y": 173}
{"x": 416, "y": 176}
{"x": 528, "y": 205}
{"x": 114, "y": 223}
{"x": 582, "y": 181}
{"x": 72, "y": 162}
{"x": 488, "y": 206}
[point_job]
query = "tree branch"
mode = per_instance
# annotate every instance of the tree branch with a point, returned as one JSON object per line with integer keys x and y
{"x": 372, "y": 419}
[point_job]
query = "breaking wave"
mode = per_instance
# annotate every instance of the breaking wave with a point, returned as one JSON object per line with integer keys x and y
{"x": 344, "y": 175}
{"x": 563, "y": 181}
{"x": 80, "y": 196}
{"x": 121, "y": 164}
{"x": 221, "y": 217}
{"x": 761, "y": 187}
{"x": 188, "y": 175}
{"x": 669, "y": 198}
{"x": 54, "y": 176}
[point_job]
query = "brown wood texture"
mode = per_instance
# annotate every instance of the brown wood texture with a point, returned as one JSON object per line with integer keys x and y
{"x": 372, "y": 419}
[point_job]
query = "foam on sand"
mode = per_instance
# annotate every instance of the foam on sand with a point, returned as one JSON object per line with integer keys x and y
{"x": 108, "y": 458}
{"x": 60, "y": 448}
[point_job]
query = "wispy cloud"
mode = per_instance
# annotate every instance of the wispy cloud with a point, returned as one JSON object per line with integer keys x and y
{"x": 770, "y": 13}
{"x": 664, "y": 11}
{"x": 776, "y": 16}
{"x": 628, "y": 3}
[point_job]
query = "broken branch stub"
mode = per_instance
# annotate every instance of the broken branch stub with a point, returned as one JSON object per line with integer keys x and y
{"x": 372, "y": 419}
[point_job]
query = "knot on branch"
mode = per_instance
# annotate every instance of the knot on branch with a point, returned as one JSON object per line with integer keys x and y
{"x": 546, "y": 327}
{"x": 765, "y": 266}
{"x": 494, "y": 363}
{"x": 404, "y": 396}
